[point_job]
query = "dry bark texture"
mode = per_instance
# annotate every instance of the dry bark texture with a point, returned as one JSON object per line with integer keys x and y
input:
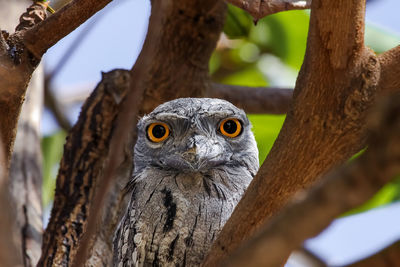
{"x": 84, "y": 155}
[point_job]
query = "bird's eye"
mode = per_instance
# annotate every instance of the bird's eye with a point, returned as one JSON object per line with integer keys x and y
{"x": 230, "y": 127}
{"x": 157, "y": 132}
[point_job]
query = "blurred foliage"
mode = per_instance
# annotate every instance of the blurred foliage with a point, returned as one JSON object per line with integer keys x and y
{"x": 52, "y": 149}
{"x": 267, "y": 54}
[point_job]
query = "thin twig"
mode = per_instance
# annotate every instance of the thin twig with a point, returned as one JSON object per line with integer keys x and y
{"x": 55, "y": 107}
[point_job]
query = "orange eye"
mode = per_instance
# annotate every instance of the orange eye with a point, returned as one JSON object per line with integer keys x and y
{"x": 157, "y": 132}
{"x": 230, "y": 127}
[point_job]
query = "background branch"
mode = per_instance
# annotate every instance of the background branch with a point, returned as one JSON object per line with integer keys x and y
{"x": 356, "y": 182}
{"x": 10, "y": 243}
{"x": 261, "y": 8}
{"x": 26, "y": 172}
{"x": 254, "y": 99}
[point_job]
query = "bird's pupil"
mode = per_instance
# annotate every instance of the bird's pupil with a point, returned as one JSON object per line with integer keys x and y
{"x": 158, "y": 131}
{"x": 230, "y": 127}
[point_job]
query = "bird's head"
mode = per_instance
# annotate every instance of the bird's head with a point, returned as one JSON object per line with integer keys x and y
{"x": 195, "y": 135}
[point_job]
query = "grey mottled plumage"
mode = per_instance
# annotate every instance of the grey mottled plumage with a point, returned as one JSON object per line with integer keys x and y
{"x": 184, "y": 188}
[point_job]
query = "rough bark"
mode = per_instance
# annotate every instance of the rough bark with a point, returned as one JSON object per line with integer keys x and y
{"x": 325, "y": 125}
{"x": 356, "y": 181}
{"x": 388, "y": 257}
{"x": 84, "y": 157}
{"x": 390, "y": 69}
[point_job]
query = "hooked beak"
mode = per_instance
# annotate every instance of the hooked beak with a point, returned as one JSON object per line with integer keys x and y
{"x": 202, "y": 154}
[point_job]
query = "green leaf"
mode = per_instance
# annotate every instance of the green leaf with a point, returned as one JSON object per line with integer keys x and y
{"x": 266, "y": 129}
{"x": 283, "y": 34}
{"x": 249, "y": 76}
{"x": 237, "y": 23}
{"x": 388, "y": 194}
{"x": 52, "y": 149}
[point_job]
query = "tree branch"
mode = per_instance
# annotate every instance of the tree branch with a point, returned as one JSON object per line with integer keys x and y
{"x": 26, "y": 173}
{"x": 389, "y": 256}
{"x": 325, "y": 124}
{"x": 55, "y": 107}
{"x": 10, "y": 243}
{"x": 261, "y": 8}
{"x": 390, "y": 68}
{"x": 84, "y": 157}
{"x": 47, "y": 33}
{"x": 254, "y": 99}
{"x": 357, "y": 182}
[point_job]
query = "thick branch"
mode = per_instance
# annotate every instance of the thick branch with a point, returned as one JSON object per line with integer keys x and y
{"x": 10, "y": 244}
{"x": 254, "y": 99}
{"x": 356, "y": 182}
{"x": 84, "y": 156}
{"x": 261, "y": 8}
{"x": 190, "y": 32}
{"x": 325, "y": 124}
{"x": 390, "y": 68}
{"x": 26, "y": 173}
{"x": 47, "y": 33}
{"x": 387, "y": 257}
